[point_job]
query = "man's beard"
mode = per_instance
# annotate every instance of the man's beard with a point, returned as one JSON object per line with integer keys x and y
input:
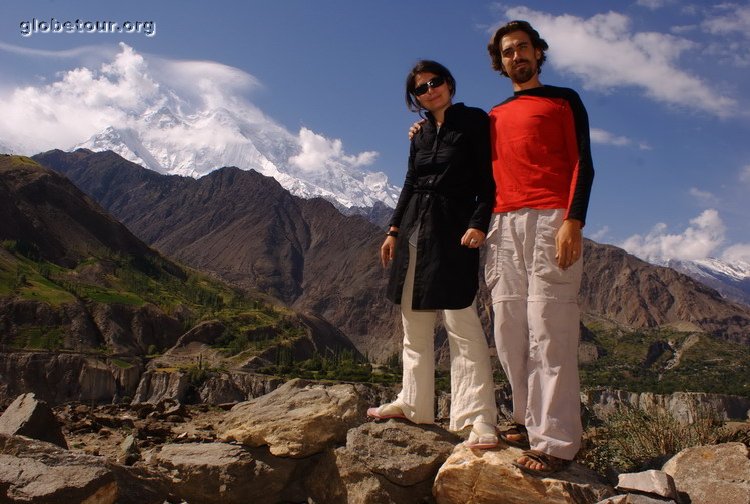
{"x": 523, "y": 74}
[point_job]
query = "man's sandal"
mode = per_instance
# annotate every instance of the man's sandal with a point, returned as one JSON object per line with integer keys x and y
{"x": 516, "y": 430}
{"x": 550, "y": 464}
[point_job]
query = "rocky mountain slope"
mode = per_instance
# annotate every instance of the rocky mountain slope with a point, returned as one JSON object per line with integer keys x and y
{"x": 625, "y": 289}
{"x": 83, "y": 301}
{"x": 251, "y": 232}
{"x": 247, "y": 229}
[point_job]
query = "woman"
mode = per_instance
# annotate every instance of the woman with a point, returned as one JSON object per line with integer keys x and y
{"x": 438, "y": 225}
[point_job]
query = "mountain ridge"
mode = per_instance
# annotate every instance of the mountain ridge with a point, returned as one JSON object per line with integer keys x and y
{"x": 156, "y": 139}
{"x": 732, "y": 280}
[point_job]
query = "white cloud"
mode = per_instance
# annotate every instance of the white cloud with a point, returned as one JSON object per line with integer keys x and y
{"x": 654, "y": 4}
{"x": 728, "y": 25}
{"x": 736, "y": 253}
{"x": 82, "y": 102}
{"x": 601, "y": 136}
{"x": 731, "y": 19}
{"x": 606, "y": 53}
{"x": 745, "y": 174}
{"x": 201, "y": 106}
{"x": 319, "y": 152}
{"x": 701, "y": 239}
{"x": 705, "y": 198}
{"x": 599, "y": 234}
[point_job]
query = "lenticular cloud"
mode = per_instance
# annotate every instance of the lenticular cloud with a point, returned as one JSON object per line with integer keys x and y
{"x": 186, "y": 118}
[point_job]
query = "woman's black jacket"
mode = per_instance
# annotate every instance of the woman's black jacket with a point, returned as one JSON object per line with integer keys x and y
{"x": 448, "y": 189}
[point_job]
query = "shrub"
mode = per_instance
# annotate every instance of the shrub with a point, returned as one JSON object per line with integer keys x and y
{"x": 636, "y": 439}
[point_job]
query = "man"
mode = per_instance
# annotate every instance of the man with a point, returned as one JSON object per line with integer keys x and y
{"x": 543, "y": 172}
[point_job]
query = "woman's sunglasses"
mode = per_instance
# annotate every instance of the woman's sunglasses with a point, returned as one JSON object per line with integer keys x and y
{"x": 432, "y": 83}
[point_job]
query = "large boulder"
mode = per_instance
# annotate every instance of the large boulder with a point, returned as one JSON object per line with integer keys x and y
{"x": 27, "y": 416}
{"x": 711, "y": 474}
{"x": 298, "y": 419}
{"x": 391, "y": 462}
{"x": 490, "y": 477}
{"x": 206, "y": 473}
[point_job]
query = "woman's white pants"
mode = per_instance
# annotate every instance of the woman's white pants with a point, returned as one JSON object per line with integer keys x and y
{"x": 472, "y": 387}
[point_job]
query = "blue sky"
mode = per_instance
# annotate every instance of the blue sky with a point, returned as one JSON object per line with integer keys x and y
{"x": 665, "y": 83}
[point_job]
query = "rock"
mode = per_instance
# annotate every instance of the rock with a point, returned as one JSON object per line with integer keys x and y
{"x": 298, "y": 419}
{"x": 382, "y": 462}
{"x": 711, "y": 474}
{"x": 489, "y": 477}
{"x": 206, "y": 473}
{"x": 635, "y": 499}
{"x": 654, "y": 482}
{"x": 26, "y": 416}
{"x": 40, "y": 472}
{"x": 129, "y": 452}
{"x": 402, "y": 452}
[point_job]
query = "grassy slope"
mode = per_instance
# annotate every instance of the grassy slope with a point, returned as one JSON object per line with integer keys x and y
{"x": 705, "y": 364}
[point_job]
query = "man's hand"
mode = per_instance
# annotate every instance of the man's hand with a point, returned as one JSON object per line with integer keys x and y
{"x": 472, "y": 238}
{"x": 569, "y": 242}
{"x": 415, "y": 128}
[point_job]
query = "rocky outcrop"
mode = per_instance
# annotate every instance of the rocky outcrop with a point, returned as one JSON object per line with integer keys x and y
{"x": 681, "y": 405}
{"x": 63, "y": 377}
{"x": 26, "y": 416}
{"x": 222, "y": 388}
{"x": 296, "y": 420}
{"x": 214, "y": 387}
{"x": 158, "y": 386}
{"x": 40, "y": 472}
{"x": 489, "y": 477}
{"x": 711, "y": 474}
{"x": 310, "y": 442}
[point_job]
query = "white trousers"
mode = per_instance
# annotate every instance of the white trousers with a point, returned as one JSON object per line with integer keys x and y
{"x": 537, "y": 318}
{"x": 472, "y": 387}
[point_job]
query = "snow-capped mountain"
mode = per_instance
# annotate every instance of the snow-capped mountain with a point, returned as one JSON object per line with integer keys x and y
{"x": 732, "y": 280}
{"x": 170, "y": 142}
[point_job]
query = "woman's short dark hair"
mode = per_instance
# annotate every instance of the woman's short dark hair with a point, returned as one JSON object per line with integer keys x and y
{"x": 494, "y": 46}
{"x": 426, "y": 66}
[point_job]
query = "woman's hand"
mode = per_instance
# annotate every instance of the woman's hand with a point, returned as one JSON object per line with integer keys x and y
{"x": 415, "y": 128}
{"x": 388, "y": 248}
{"x": 472, "y": 238}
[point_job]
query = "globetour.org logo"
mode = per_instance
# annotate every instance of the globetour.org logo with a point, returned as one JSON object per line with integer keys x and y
{"x": 28, "y": 28}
